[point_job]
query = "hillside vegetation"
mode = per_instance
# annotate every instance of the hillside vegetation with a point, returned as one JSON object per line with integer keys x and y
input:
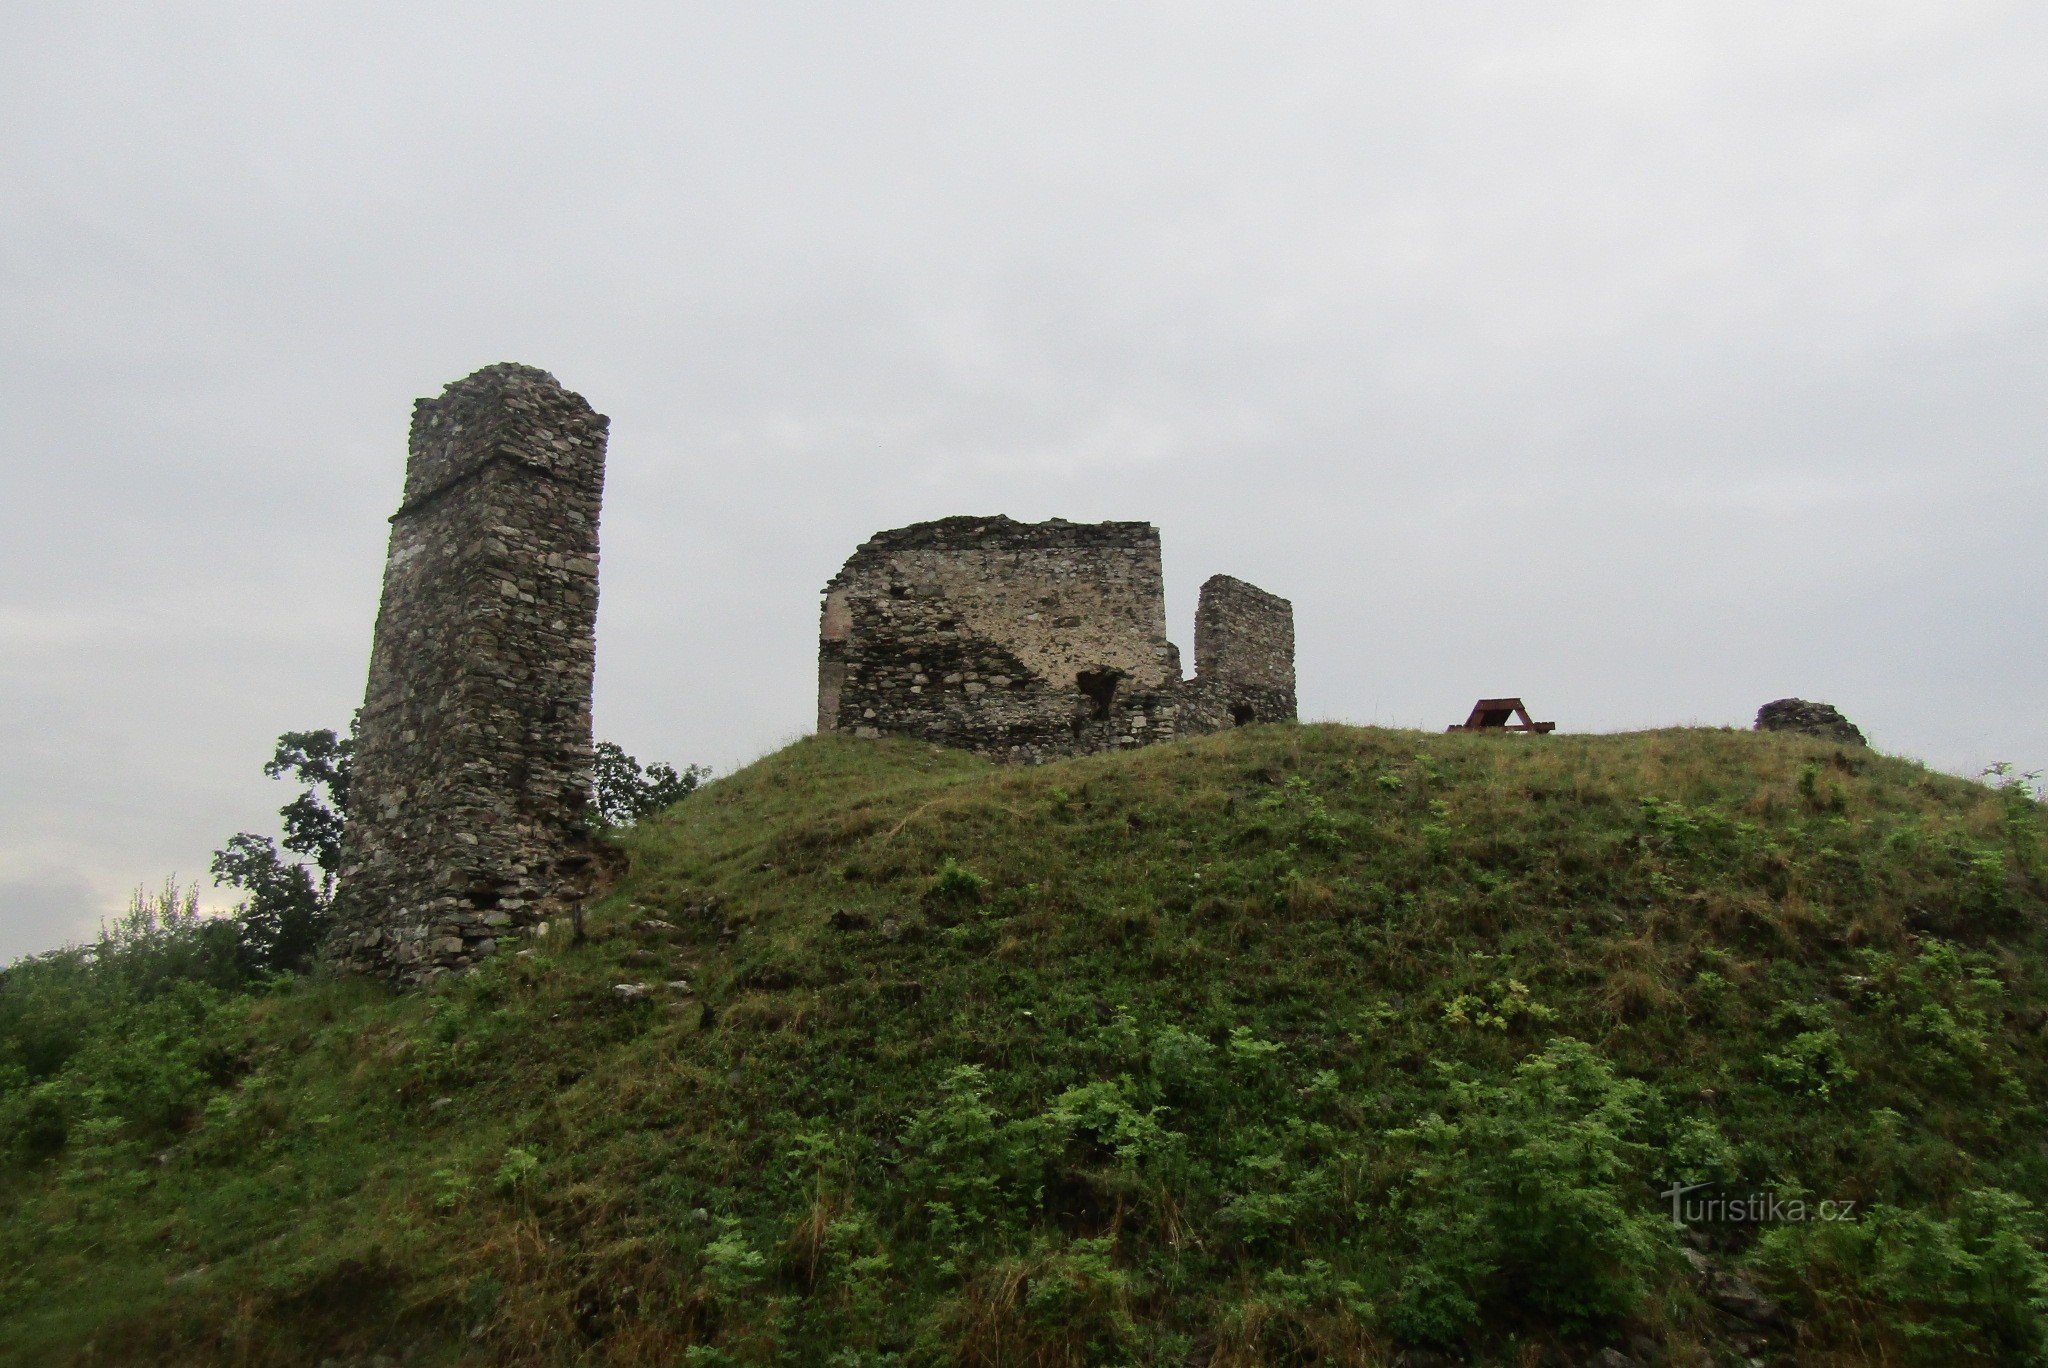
{"x": 1290, "y": 1045}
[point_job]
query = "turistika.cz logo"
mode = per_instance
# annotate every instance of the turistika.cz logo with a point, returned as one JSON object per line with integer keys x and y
{"x": 1755, "y": 1208}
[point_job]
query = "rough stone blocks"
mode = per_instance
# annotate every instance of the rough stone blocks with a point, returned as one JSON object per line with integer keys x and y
{"x": 473, "y": 749}
{"x": 1244, "y": 648}
{"x": 1814, "y": 719}
{"x": 1030, "y": 641}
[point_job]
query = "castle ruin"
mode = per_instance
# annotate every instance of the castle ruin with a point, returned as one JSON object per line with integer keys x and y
{"x": 469, "y": 797}
{"x": 1032, "y": 641}
{"x": 471, "y": 776}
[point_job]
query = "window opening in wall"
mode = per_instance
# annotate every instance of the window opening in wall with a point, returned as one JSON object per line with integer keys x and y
{"x": 1240, "y": 713}
{"x": 1099, "y": 687}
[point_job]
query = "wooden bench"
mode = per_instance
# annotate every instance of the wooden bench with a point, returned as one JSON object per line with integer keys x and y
{"x": 1492, "y": 714}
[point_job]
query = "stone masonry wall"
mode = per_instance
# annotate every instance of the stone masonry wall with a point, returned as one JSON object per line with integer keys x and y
{"x": 1244, "y": 646}
{"x": 473, "y": 749}
{"x": 1028, "y": 641}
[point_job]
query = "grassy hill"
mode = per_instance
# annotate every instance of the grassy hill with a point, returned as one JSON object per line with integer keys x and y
{"x": 1291, "y": 1045}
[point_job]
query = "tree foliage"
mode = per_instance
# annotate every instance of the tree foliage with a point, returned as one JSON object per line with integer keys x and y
{"x": 313, "y": 820}
{"x": 286, "y": 909}
{"x": 627, "y": 791}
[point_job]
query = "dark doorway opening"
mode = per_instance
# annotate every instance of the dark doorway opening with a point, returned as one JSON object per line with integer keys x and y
{"x": 1240, "y": 714}
{"x": 1099, "y": 688}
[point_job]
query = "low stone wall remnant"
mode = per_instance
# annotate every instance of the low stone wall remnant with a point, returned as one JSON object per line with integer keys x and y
{"x": 1813, "y": 719}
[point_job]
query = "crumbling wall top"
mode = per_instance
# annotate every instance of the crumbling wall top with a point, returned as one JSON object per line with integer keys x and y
{"x": 505, "y": 411}
{"x": 996, "y": 533}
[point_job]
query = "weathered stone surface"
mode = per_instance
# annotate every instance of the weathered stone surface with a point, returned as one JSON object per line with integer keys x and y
{"x": 1244, "y": 653}
{"x": 1814, "y": 719}
{"x": 1030, "y": 641}
{"x": 473, "y": 748}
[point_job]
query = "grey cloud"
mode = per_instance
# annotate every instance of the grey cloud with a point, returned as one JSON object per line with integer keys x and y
{"x": 1650, "y": 361}
{"x": 37, "y": 912}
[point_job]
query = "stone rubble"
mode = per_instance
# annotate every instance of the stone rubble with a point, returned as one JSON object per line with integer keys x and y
{"x": 1812, "y": 719}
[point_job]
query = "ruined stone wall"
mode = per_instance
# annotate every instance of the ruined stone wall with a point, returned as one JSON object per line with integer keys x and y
{"x": 1244, "y": 649}
{"x": 473, "y": 749}
{"x": 1025, "y": 641}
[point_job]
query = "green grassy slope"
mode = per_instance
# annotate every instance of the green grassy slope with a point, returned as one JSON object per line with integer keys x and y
{"x": 1297, "y": 1044}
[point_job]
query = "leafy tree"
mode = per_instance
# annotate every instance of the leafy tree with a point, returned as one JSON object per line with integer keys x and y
{"x": 285, "y": 914}
{"x": 627, "y": 791}
{"x": 313, "y": 820}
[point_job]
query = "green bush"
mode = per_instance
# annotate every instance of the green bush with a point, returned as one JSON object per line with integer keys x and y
{"x": 1908, "y": 1283}
{"x": 122, "y": 1039}
{"x": 1523, "y": 1198}
{"x": 1810, "y": 1062}
{"x": 974, "y": 1171}
{"x": 137, "y": 1076}
{"x": 955, "y": 883}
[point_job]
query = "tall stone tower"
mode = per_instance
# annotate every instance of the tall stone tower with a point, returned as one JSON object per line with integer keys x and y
{"x": 473, "y": 749}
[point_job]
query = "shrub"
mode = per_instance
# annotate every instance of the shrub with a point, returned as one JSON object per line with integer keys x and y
{"x": 135, "y": 1077}
{"x": 1811, "y": 1063}
{"x": 120, "y": 1039}
{"x": 1909, "y": 1284}
{"x": 516, "y": 1171}
{"x": 973, "y": 1169}
{"x": 1102, "y": 1115}
{"x": 2020, "y": 804}
{"x": 1314, "y": 824}
{"x": 163, "y": 940}
{"x": 731, "y": 1263}
{"x": 955, "y": 884}
{"x": 1495, "y": 1006}
{"x": 1522, "y": 1199}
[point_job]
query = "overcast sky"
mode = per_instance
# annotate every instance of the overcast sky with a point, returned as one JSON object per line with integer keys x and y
{"x": 1650, "y": 361}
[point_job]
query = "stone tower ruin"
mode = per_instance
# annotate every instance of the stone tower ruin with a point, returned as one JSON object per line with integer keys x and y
{"x": 1244, "y": 651}
{"x": 473, "y": 748}
{"x": 1031, "y": 641}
